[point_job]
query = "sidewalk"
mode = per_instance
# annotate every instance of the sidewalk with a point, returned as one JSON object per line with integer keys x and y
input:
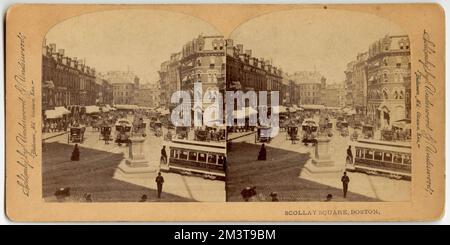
{"x": 237, "y": 135}
{"x": 46, "y": 136}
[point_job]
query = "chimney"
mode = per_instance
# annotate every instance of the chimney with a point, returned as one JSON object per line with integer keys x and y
{"x": 248, "y": 52}
{"x": 61, "y": 52}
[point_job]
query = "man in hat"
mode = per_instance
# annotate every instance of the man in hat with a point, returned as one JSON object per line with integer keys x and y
{"x": 345, "y": 180}
{"x": 159, "y": 183}
{"x": 262, "y": 153}
{"x": 274, "y": 196}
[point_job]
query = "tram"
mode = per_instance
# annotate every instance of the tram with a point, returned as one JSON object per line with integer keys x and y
{"x": 198, "y": 158}
{"x": 392, "y": 159}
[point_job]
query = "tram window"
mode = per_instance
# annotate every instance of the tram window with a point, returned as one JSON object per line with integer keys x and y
{"x": 358, "y": 153}
{"x": 369, "y": 154}
{"x": 173, "y": 153}
{"x": 184, "y": 155}
{"x": 387, "y": 157}
{"x": 202, "y": 157}
{"x": 193, "y": 156}
{"x": 397, "y": 158}
{"x": 406, "y": 159}
{"x": 212, "y": 159}
{"x": 378, "y": 156}
{"x": 220, "y": 161}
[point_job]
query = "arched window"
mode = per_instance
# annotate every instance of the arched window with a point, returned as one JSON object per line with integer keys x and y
{"x": 396, "y": 95}
{"x": 401, "y": 95}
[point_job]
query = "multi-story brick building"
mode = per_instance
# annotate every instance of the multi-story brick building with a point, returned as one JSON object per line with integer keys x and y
{"x": 333, "y": 95}
{"x": 104, "y": 92}
{"x": 170, "y": 81}
{"x": 149, "y": 95}
{"x": 389, "y": 69}
{"x": 203, "y": 61}
{"x": 125, "y": 86}
{"x": 66, "y": 81}
{"x": 312, "y": 85}
{"x": 356, "y": 83}
{"x": 247, "y": 73}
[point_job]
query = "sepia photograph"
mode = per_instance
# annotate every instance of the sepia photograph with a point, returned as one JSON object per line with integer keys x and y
{"x": 344, "y": 83}
{"x": 224, "y": 112}
{"x": 107, "y": 133}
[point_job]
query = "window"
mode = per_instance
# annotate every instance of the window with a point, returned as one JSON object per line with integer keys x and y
{"x": 211, "y": 66}
{"x": 184, "y": 155}
{"x": 369, "y": 154}
{"x": 358, "y": 153}
{"x": 397, "y": 158}
{"x": 173, "y": 153}
{"x": 192, "y": 156}
{"x": 202, "y": 157}
{"x": 406, "y": 159}
{"x": 378, "y": 156}
{"x": 399, "y": 65}
{"x": 212, "y": 159}
{"x": 387, "y": 157}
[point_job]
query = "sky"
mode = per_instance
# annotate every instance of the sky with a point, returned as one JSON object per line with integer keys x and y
{"x": 295, "y": 40}
{"x": 322, "y": 40}
{"x": 138, "y": 40}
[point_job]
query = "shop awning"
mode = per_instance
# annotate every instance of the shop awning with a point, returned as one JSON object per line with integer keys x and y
{"x": 62, "y": 110}
{"x": 53, "y": 114}
{"x": 126, "y": 107}
{"x": 90, "y": 109}
{"x": 313, "y": 107}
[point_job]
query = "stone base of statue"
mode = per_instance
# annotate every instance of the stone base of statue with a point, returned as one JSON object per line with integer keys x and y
{"x": 320, "y": 164}
{"x": 135, "y": 164}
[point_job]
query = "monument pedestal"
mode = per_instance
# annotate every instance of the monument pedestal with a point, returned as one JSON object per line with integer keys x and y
{"x": 135, "y": 165}
{"x": 321, "y": 165}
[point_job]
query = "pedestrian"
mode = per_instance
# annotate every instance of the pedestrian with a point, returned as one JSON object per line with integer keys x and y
{"x": 274, "y": 196}
{"x": 248, "y": 192}
{"x": 345, "y": 180}
{"x": 143, "y": 198}
{"x": 75, "y": 154}
{"x": 164, "y": 154}
{"x": 350, "y": 154}
{"x": 262, "y": 153}
{"x": 88, "y": 197}
{"x": 159, "y": 183}
{"x": 329, "y": 198}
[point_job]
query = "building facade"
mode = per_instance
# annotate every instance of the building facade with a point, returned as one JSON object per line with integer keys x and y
{"x": 334, "y": 95}
{"x": 149, "y": 95}
{"x": 356, "y": 83}
{"x": 104, "y": 92}
{"x": 248, "y": 73}
{"x": 170, "y": 81}
{"x": 389, "y": 69}
{"x": 66, "y": 81}
{"x": 203, "y": 61}
{"x": 312, "y": 86}
{"x": 125, "y": 85}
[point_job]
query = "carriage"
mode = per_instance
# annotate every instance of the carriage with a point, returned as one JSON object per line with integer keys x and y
{"x": 309, "y": 129}
{"x": 292, "y": 132}
{"x": 123, "y": 131}
{"x": 368, "y": 131}
{"x": 182, "y": 132}
{"x": 105, "y": 132}
{"x": 76, "y": 134}
{"x": 263, "y": 134}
